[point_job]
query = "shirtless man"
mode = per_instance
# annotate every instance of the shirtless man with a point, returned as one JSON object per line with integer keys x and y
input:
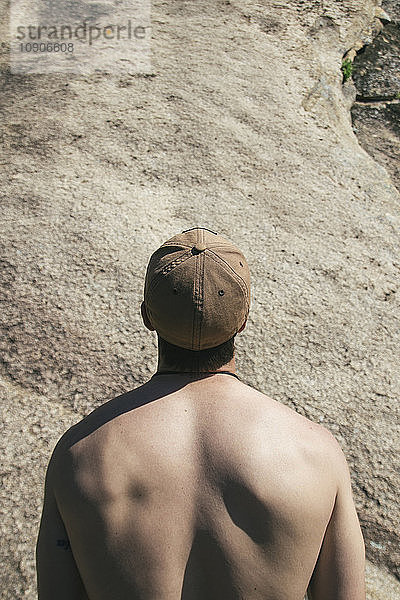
{"x": 195, "y": 486}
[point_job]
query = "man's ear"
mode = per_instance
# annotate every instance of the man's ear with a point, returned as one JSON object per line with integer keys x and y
{"x": 145, "y": 317}
{"x": 243, "y": 326}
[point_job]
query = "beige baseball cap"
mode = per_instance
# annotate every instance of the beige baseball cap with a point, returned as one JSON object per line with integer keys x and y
{"x": 197, "y": 289}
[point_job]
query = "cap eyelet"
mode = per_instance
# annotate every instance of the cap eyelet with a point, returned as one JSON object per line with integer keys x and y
{"x": 221, "y": 292}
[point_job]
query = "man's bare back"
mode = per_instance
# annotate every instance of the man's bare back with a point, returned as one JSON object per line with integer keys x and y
{"x": 199, "y": 490}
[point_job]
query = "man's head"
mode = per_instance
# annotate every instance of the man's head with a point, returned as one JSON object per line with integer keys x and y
{"x": 197, "y": 292}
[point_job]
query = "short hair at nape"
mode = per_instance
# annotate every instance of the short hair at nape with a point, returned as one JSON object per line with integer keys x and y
{"x": 210, "y": 359}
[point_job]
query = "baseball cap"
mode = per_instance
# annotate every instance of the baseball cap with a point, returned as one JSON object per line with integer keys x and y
{"x": 197, "y": 289}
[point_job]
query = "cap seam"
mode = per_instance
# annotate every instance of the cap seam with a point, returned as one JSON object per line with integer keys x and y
{"x": 199, "y": 298}
{"x": 175, "y": 244}
{"x": 231, "y": 271}
{"x": 166, "y": 269}
{"x": 202, "y": 263}
{"x": 194, "y": 297}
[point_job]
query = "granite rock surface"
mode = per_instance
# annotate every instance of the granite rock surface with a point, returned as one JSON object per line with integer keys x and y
{"x": 243, "y": 126}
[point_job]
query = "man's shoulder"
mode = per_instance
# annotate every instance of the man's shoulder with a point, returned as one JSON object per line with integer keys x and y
{"x": 92, "y": 427}
{"x": 61, "y": 450}
{"x": 77, "y": 446}
{"x": 287, "y": 413}
{"x": 280, "y": 417}
{"x": 105, "y": 413}
{"x": 318, "y": 438}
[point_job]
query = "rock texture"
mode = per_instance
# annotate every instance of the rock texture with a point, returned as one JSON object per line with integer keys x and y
{"x": 376, "y": 112}
{"x": 392, "y": 7}
{"x": 243, "y": 127}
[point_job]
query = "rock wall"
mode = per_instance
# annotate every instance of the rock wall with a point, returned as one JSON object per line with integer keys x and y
{"x": 242, "y": 126}
{"x": 376, "y": 111}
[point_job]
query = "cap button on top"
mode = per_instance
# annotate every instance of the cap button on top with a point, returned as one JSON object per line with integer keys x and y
{"x": 199, "y": 247}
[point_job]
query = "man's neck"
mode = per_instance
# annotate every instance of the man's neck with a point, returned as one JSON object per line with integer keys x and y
{"x": 163, "y": 367}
